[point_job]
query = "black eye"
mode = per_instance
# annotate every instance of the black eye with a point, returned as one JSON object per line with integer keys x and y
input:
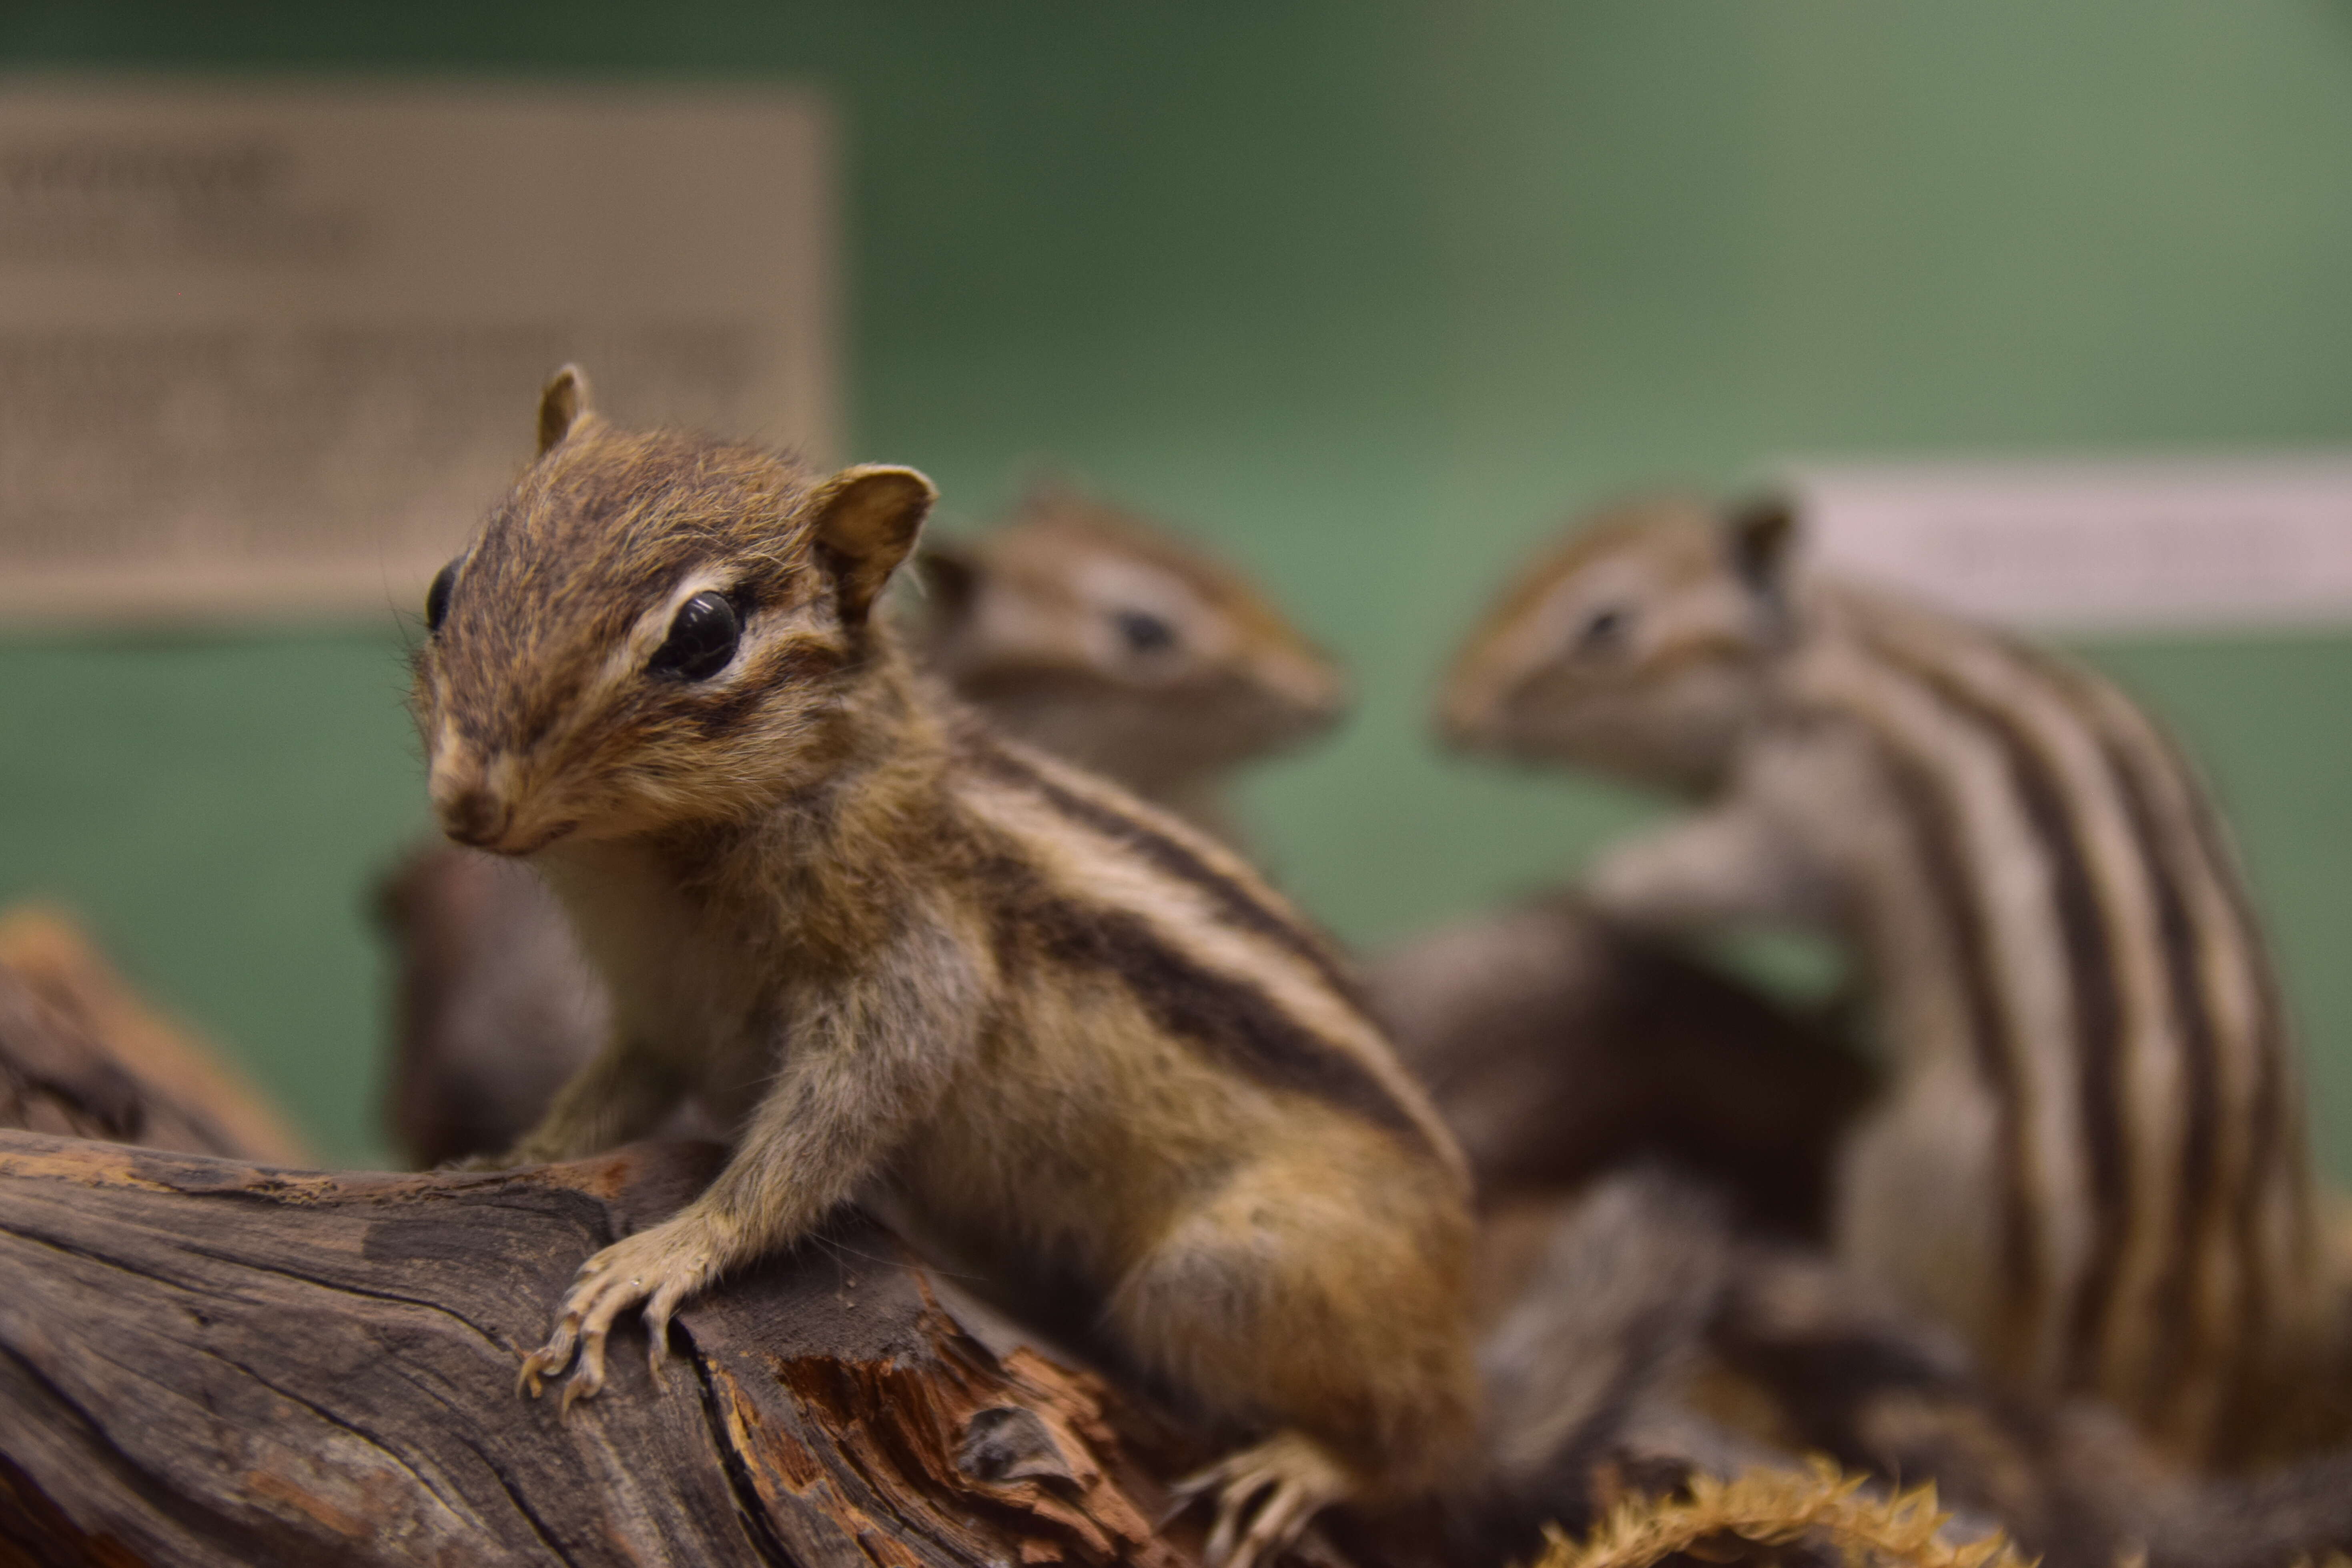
{"x": 1604, "y": 628}
{"x": 436, "y": 598}
{"x": 1143, "y": 632}
{"x": 701, "y": 641}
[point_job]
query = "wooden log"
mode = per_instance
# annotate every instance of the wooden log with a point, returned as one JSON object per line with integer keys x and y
{"x": 205, "y": 1361}
{"x": 80, "y": 1054}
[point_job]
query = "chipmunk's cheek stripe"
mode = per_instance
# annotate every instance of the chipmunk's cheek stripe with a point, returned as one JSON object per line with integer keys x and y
{"x": 794, "y": 663}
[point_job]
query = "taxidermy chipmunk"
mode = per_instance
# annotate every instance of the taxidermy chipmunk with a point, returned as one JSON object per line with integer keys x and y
{"x": 2092, "y": 1160}
{"x": 1071, "y": 625}
{"x": 1090, "y": 633}
{"x": 1056, "y": 1032}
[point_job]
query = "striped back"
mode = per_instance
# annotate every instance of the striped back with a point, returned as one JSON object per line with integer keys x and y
{"x": 2117, "y": 1001}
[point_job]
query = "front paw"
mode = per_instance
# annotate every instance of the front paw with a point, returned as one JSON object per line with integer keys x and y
{"x": 661, "y": 1268}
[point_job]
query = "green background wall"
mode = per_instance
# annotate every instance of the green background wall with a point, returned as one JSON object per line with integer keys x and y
{"x": 1370, "y": 292}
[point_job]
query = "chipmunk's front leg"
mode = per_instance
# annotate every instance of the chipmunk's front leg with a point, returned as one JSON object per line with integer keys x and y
{"x": 864, "y": 1065}
{"x": 1735, "y": 861}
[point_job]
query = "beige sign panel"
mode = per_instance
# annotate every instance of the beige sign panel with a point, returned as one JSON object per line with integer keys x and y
{"x": 2126, "y": 544}
{"x": 271, "y": 349}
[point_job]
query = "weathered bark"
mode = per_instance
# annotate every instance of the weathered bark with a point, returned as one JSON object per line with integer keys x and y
{"x": 204, "y": 1362}
{"x": 82, "y": 1055}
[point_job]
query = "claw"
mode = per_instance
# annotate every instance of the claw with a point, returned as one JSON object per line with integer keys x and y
{"x": 1183, "y": 1494}
{"x": 1233, "y": 1507}
{"x": 657, "y": 1314}
{"x": 584, "y": 1384}
{"x": 549, "y": 1358}
{"x": 1221, "y": 1536}
{"x": 1279, "y": 1519}
{"x": 659, "y": 1268}
{"x": 1303, "y": 1479}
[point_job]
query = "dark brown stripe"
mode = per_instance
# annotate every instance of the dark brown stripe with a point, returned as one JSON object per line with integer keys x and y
{"x": 2091, "y": 977}
{"x": 2199, "y": 1174}
{"x": 797, "y": 659}
{"x": 2268, "y": 1122}
{"x": 1234, "y": 1021}
{"x": 1933, "y": 820}
{"x": 2199, "y": 1224}
{"x": 1235, "y": 904}
{"x": 2273, "y": 1133}
{"x": 2226, "y": 1219}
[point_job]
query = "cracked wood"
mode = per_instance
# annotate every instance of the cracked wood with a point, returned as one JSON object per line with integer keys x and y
{"x": 204, "y": 1362}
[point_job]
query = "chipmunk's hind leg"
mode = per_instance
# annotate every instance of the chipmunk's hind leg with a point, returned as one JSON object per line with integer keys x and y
{"x": 1251, "y": 1310}
{"x": 1294, "y": 1475}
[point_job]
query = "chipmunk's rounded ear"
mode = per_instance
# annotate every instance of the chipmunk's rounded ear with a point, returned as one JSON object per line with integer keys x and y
{"x": 1761, "y": 533}
{"x": 562, "y": 403}
{"x": 865, "y": 519}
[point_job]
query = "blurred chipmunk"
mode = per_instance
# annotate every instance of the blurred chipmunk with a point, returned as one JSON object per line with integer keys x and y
{"x": 2092, "y": 1161}
{"x": 1093, "y": 634}
{"x": 1073, "y": 625}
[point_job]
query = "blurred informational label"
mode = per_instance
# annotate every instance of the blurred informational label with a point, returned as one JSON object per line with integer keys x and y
{"x": 2154, "y": 543}
{"x": 275, "y": 349}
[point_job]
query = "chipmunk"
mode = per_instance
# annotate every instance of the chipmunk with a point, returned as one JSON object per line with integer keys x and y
{"x": 2092, "y": 1161}
{"x": 1072, "y": 626}
{"x": 1056, "y": 1032}
{"x": 1091, "y": 634}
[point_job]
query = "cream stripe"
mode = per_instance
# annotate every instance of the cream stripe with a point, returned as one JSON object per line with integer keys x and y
{"x": 1093, "y": 869}
{"x": 2149, "y": 1071}
{"x": 2027, "y": 949}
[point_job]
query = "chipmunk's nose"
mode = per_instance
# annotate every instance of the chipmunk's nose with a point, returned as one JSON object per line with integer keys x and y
{"x": 1310, "y": 683}
{"x": 476, "y": 816}
{"x": 471, "y": 810}
{"x": 1467, "y": 713}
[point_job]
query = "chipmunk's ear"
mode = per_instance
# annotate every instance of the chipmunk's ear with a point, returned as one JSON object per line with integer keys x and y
{"x": 865, "y": 521}
{"x": 562, "y": 403}
{"x": 950, "y": 575}
{"x": 1761, "y": 534}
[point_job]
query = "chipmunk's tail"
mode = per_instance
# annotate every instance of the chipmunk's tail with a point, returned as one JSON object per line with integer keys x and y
{"x": 1581, "y": 1372}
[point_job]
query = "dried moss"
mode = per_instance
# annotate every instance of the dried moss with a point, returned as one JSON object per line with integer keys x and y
{"x": 1781, "y": 1517}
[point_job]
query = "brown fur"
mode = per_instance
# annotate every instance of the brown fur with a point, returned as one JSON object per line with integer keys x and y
{"x": 824, "y": 910}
